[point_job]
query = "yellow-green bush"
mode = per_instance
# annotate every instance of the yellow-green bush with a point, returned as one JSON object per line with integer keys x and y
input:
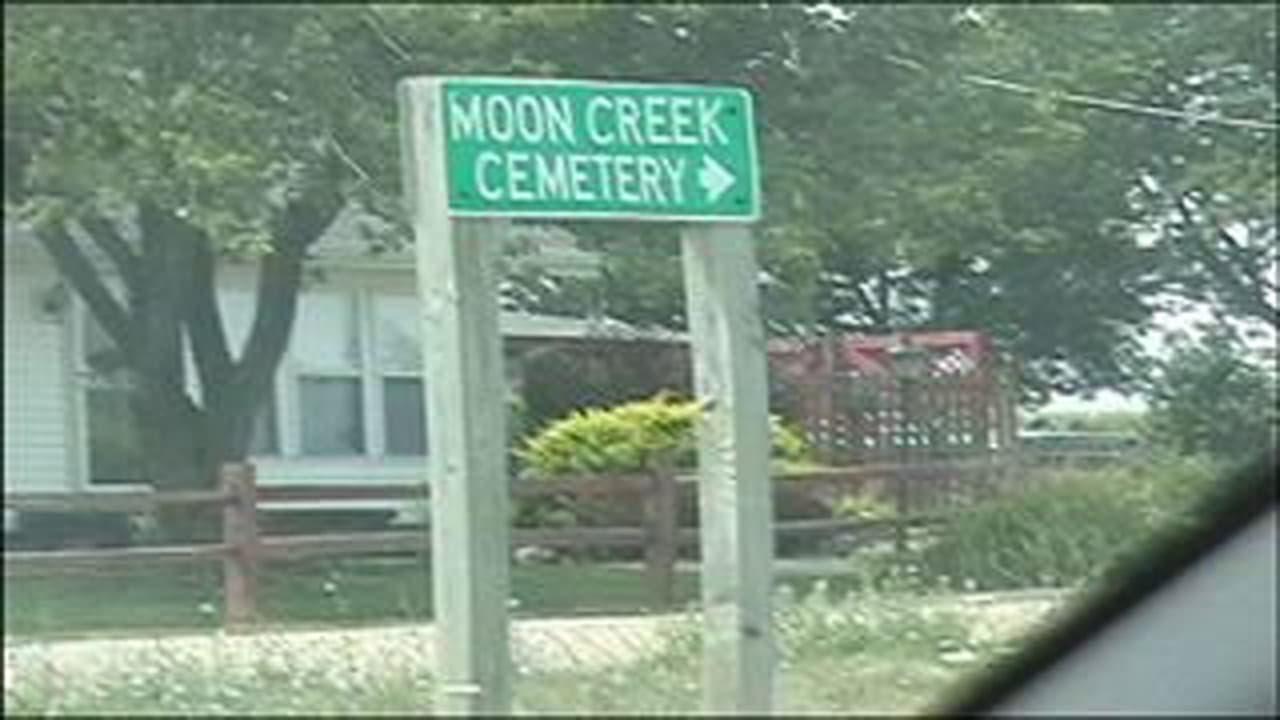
{"x": 863, "y": 507}
{"x": 632, "y": 437}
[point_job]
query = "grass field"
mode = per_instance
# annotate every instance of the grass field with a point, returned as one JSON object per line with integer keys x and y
{"x": 339, "y": 592}
{"x": 863, "y": 654}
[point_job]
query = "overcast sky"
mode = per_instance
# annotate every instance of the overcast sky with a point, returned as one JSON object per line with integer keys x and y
{"x": 1186, "y": 321}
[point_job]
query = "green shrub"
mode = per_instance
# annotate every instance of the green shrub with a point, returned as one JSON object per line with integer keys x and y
{"x": 863, "y": 507}
{"x": 1211, "y": 398}
{"x": 789, "y": 442}
{"x": 1068, "y": 529}
{"x": 824, "y": 622}
{"x": 632, "y": 437}
{"x": 544, "y": 512}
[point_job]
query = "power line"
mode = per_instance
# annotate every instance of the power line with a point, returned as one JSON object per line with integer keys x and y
{"x": 1101, "y": 103}
{"x": 1123, "y": 106}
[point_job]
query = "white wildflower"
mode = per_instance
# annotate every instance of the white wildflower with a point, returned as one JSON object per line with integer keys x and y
{"x": 958, "y": 656}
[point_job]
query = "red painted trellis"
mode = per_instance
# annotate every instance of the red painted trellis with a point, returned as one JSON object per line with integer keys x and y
{"x": 845, "y": 394}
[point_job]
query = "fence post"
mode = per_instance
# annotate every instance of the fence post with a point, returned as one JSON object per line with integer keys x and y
{"x": 661, "y": 533}
{"x": 901, "y": 502}
{"x": 240, "y": 532}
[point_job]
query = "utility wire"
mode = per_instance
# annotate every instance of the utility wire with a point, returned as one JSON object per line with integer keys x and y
{"x": 1122, "y": 106}
{"x": 1099, "y": 102}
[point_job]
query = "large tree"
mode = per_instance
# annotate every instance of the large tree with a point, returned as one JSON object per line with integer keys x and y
{"x": 931, "y": 167}
{"x": 1209, "y": 189}
{"x": 145, "y": 145}
{"x": 896, "y": 195}
{"x": 902, "y": 189}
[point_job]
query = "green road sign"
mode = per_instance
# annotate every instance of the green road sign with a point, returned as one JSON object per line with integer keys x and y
{"x": 576, "y": 149}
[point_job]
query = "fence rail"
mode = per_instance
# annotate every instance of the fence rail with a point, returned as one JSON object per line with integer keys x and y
{"x": 132, "y": 501}
{"x": 242, "y": 550}
{"x": 43, "y": 562}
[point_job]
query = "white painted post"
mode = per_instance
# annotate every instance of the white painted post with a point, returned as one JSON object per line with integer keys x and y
{"x": 465, "y": 396}
{"x": 735, "y": 497}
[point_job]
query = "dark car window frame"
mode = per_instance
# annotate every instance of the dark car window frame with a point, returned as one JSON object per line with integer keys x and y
{"x": 1247, "y": 495}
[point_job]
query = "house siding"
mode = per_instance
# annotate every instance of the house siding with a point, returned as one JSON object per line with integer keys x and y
{"x": 46, "y": 430}
{"x": 39, "y": 432}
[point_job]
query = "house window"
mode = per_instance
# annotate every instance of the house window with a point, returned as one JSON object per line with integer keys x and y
{"x": 115, "y": 453}
{"x": 332, "y": 412}
{"x": 399, "y": 359}
{"x": 326, "y": 351}
{"x": 405, "y": 416}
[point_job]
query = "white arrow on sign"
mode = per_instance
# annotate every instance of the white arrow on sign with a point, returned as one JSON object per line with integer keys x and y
{"x": 714, "y": 178}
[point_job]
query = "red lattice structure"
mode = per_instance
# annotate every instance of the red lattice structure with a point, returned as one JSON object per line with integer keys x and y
{"x": 843, "y": 391}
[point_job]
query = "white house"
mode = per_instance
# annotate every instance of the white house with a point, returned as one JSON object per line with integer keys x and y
{"x": 347, "y": 405}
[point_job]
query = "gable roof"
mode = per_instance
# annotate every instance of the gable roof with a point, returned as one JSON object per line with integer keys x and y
{"x": 549, "y": 246}
{"x": 342, "y": 244}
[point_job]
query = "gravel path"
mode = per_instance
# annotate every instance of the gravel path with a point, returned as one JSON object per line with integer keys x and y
{"x": 545, "y": 643}
{"x": 1008, "y": 614}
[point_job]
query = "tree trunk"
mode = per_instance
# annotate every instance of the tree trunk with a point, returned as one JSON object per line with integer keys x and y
{"x": 169, "y": 295}
{"x": 175, "y": 457}
{"x": 184, "y": 448}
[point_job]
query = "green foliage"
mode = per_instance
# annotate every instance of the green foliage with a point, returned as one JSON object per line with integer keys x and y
{"x": 560, "y": 380}
{"x": 176, "y": 136}
{"x": 789, "y": 442}
{"x": 544, "y": 513}
{"x": 975, "y": 207}
{"x": 823, "y": 622}
{"x": 900, "y": 193}
{"x": 634, "y": 436}
{"x": 863, "y": 654}
{"x": 1209, "y": 398}
{"x": 1068, "y": 528}
{"x": 863, "y": 507}
{"x": 1210, "y": 195}
{"x": 221, "y": 116}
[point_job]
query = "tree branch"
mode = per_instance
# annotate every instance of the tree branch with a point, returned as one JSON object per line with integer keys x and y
{"x": 105, "y": 235}
{"x": 1242, "y": 292}
{"x": 279, "y": 279}
{"x": 203, "y": 318}
{"x": 75, "y": 267}
{"x": 158, "y": 304}
{"x": 1245, "y": 259}
{"x": 370, "y": 19}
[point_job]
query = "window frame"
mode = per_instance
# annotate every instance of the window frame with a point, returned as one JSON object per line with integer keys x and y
{"x": 422, "y": 386}
{"x": 379, "y": 375}
{"x": 366, "y": 296}
{"x": 361, "y": 392}
{"x": 295, "y": 371}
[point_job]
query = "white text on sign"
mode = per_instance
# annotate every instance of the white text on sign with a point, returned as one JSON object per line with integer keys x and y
{"x": 536, "y": 144}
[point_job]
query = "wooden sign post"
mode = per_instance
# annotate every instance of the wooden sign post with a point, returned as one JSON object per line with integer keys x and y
{"x": 465, "y": 400}
{"x": 476, "y": 149}
{"x": 734, "y": 492}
